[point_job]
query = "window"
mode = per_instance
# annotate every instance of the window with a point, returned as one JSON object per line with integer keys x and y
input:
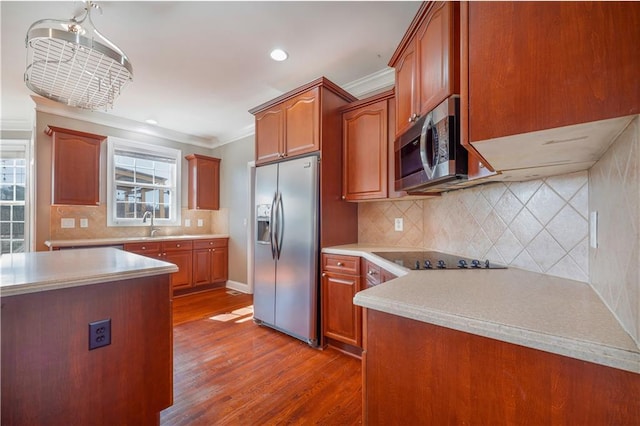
{"x": 14, "y": 180}
{"x": 142, "y": 178}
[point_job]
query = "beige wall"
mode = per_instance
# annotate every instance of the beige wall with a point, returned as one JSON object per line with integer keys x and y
{"x": 234, "y": 196}
{"x": 614, "y": 192}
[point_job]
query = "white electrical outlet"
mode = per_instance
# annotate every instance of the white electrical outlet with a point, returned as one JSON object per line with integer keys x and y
{"x": 200, "y": 222}
{"x": 84, "y": 222}
{"x": 187, "y": 222}
{"x": 399, "y": 224}
{"x": 593, "y": 229}
{"x": 66, "y": 222}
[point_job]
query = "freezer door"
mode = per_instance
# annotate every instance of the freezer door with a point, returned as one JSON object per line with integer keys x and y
{"x": 264, "y": 271}
{"x": 297, "y": 266}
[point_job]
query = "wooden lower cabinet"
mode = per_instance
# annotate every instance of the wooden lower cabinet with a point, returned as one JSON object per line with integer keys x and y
{"x": 419, "y": 373}
{"x": 210, "y": 261}
{"x": 199, "y": 262}
{"x": 341, "y": 319}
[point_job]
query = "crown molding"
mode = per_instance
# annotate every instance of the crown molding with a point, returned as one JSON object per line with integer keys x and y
{"x": 245, "y": 132}
{"x": 52, "y": 107}
{"x": 371, "y": 84}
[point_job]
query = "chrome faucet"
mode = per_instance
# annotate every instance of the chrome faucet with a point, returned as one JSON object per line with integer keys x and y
{"x": 153, "y": 229}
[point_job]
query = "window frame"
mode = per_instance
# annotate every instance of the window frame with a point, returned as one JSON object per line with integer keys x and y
{"x": 113, "y": 144}
{"x": 23, "y": 146}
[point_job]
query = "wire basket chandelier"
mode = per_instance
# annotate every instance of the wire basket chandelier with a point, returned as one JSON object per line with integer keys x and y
{"x": 72, "y": 63}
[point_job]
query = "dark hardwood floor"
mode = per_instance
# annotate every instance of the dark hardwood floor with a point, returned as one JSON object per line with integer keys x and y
{"x": 229, "y": 371}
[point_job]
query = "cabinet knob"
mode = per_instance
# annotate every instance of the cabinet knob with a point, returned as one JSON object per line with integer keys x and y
{"x": 177, "y": 245}
{"x": 344, "y": 198}
{"x": 210, "y": 243}
{"x": 372, "y": 272}
{"x": 144, "y": 247}
{"x": 324, "y": 274}
{"x": 340, "y": 264}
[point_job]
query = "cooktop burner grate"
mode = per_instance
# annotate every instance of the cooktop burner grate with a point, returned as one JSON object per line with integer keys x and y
{"x": 429, "y": 260}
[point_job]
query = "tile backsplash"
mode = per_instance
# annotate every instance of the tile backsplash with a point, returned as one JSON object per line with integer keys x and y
{"x": 539, "y": 225}
{"x": 614, "y": 192}
{"x": 214, "y": 222}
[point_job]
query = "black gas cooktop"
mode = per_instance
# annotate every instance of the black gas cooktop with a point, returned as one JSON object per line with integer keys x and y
{"x": 429, "y": 260}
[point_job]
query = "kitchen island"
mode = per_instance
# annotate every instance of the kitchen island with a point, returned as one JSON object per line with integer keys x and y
{"x": 49, "y": 373}
{"x": 491, "y": 347}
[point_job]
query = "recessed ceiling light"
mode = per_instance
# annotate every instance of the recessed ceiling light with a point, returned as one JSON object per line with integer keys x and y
{"x": 279, "y": 55}
{"x": 151, "y": 121}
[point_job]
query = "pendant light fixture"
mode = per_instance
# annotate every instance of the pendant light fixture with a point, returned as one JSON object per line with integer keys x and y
{"x": 72, "y": 63}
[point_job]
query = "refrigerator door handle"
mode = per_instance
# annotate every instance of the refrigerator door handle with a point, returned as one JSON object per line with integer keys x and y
{"x": 280, "y": 219}
{"x": 273, "y": 227}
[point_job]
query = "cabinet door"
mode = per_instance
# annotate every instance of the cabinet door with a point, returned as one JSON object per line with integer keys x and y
{"x": 302, "y": 123}
{"x": 269, "y": 135}
{"x": 365, "y": 174}
{"x": 76, "y": 168}
{"x": 182, "y": 259}
{"x": 219, "y": 264}
{"x": 437, "y": 57}
{"x": 201, "y": 266}
{"x": 342, "y": 320}
{"x": 405, "y": 99}
{"x": 542, "y": 65}
{"x": 204, "y": 182}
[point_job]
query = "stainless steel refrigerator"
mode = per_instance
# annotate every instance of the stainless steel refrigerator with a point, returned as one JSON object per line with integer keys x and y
{"x": 287, "y": 247}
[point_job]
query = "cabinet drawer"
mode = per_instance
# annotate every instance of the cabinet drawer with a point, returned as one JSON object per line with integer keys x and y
{"x": 203, "y": 244}
{"x": 143, "y": 247}
{"x": 177, "y": 245}
{"x": 339, "y": 263}
{"x": 372, "y": 272}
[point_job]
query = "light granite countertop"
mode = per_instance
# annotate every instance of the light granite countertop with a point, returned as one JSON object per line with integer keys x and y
{"x": 22, "y": 273}
{"x": 540, "y": 311}
{"x": 123, "y": 240}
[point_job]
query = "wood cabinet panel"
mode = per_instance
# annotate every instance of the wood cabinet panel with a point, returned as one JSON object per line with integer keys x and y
{"x": 405, "y": 92}
{"x": 521, "y": 79}
{"x": 178, "y": 252}
{"x": 342, "y": 319}
{"x": 183, "y": 260}
{"x": 50, "y": 377}
{"x": 76, "y": 167}
{"x": 269, "y": 135}
{"x": 419, "y": 373}
{"x": 365, "y": 144}
{"x": 210, "y": 261}
{"x": 438, "y": 45}
{"x": 204, "y": 182}
{"x": 302, "y": 123}
{"x": 341, "y": 264}
{"x": 427, "y": 62}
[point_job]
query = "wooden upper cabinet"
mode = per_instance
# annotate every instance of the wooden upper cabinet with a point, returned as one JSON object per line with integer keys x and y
{"x": 543, "y": 65}
{"x": 76, "y": 166}
{"x": 302, "y": 123}
{"x": 427, "y": 62}
{"x": 204, "y": 182}
{"x": 291, "y": 125}
{"x": 289, "y": 129}
{"x": 366, "y": 141}
{"x": 269, "y": 135}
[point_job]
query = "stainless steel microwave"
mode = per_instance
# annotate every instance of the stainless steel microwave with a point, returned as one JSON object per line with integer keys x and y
{"x": 429, "y": 156}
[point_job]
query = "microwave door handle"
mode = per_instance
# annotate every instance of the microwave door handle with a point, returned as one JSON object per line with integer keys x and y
{"x": 424, "y": 134}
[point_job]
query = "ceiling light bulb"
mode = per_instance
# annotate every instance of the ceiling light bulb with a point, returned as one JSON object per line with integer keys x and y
{"x": 279, "y": 55}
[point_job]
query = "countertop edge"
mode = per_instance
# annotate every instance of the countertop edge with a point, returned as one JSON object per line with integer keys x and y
{"x": 572, "y": 348}
{"x": 27, "y": 288}
{"x": 88, "y": 242}
{"x": 577, "y": 348}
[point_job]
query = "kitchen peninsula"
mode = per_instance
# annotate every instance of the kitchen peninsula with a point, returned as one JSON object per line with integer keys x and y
{"x": 490, "y": 347}
{"x": 49, "y": 373}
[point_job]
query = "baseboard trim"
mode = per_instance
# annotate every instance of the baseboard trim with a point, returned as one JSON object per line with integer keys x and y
{"x": 236, "y": 285}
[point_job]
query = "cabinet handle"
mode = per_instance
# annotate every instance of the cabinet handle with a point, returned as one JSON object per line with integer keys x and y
{"x": 372, "y": 272}
{"x": 144, "y": 247}
{"x": 413, "y": 117}
{"x": 178, "y": 245}
{"x": 340, "y": 264}
{"x": 210, "y": 243}
{"x": 212, "y": 250}
{"x": 324, "y": 274}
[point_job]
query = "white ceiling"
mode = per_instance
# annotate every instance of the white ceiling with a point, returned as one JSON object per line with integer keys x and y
{"x": 200, "y": 66}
